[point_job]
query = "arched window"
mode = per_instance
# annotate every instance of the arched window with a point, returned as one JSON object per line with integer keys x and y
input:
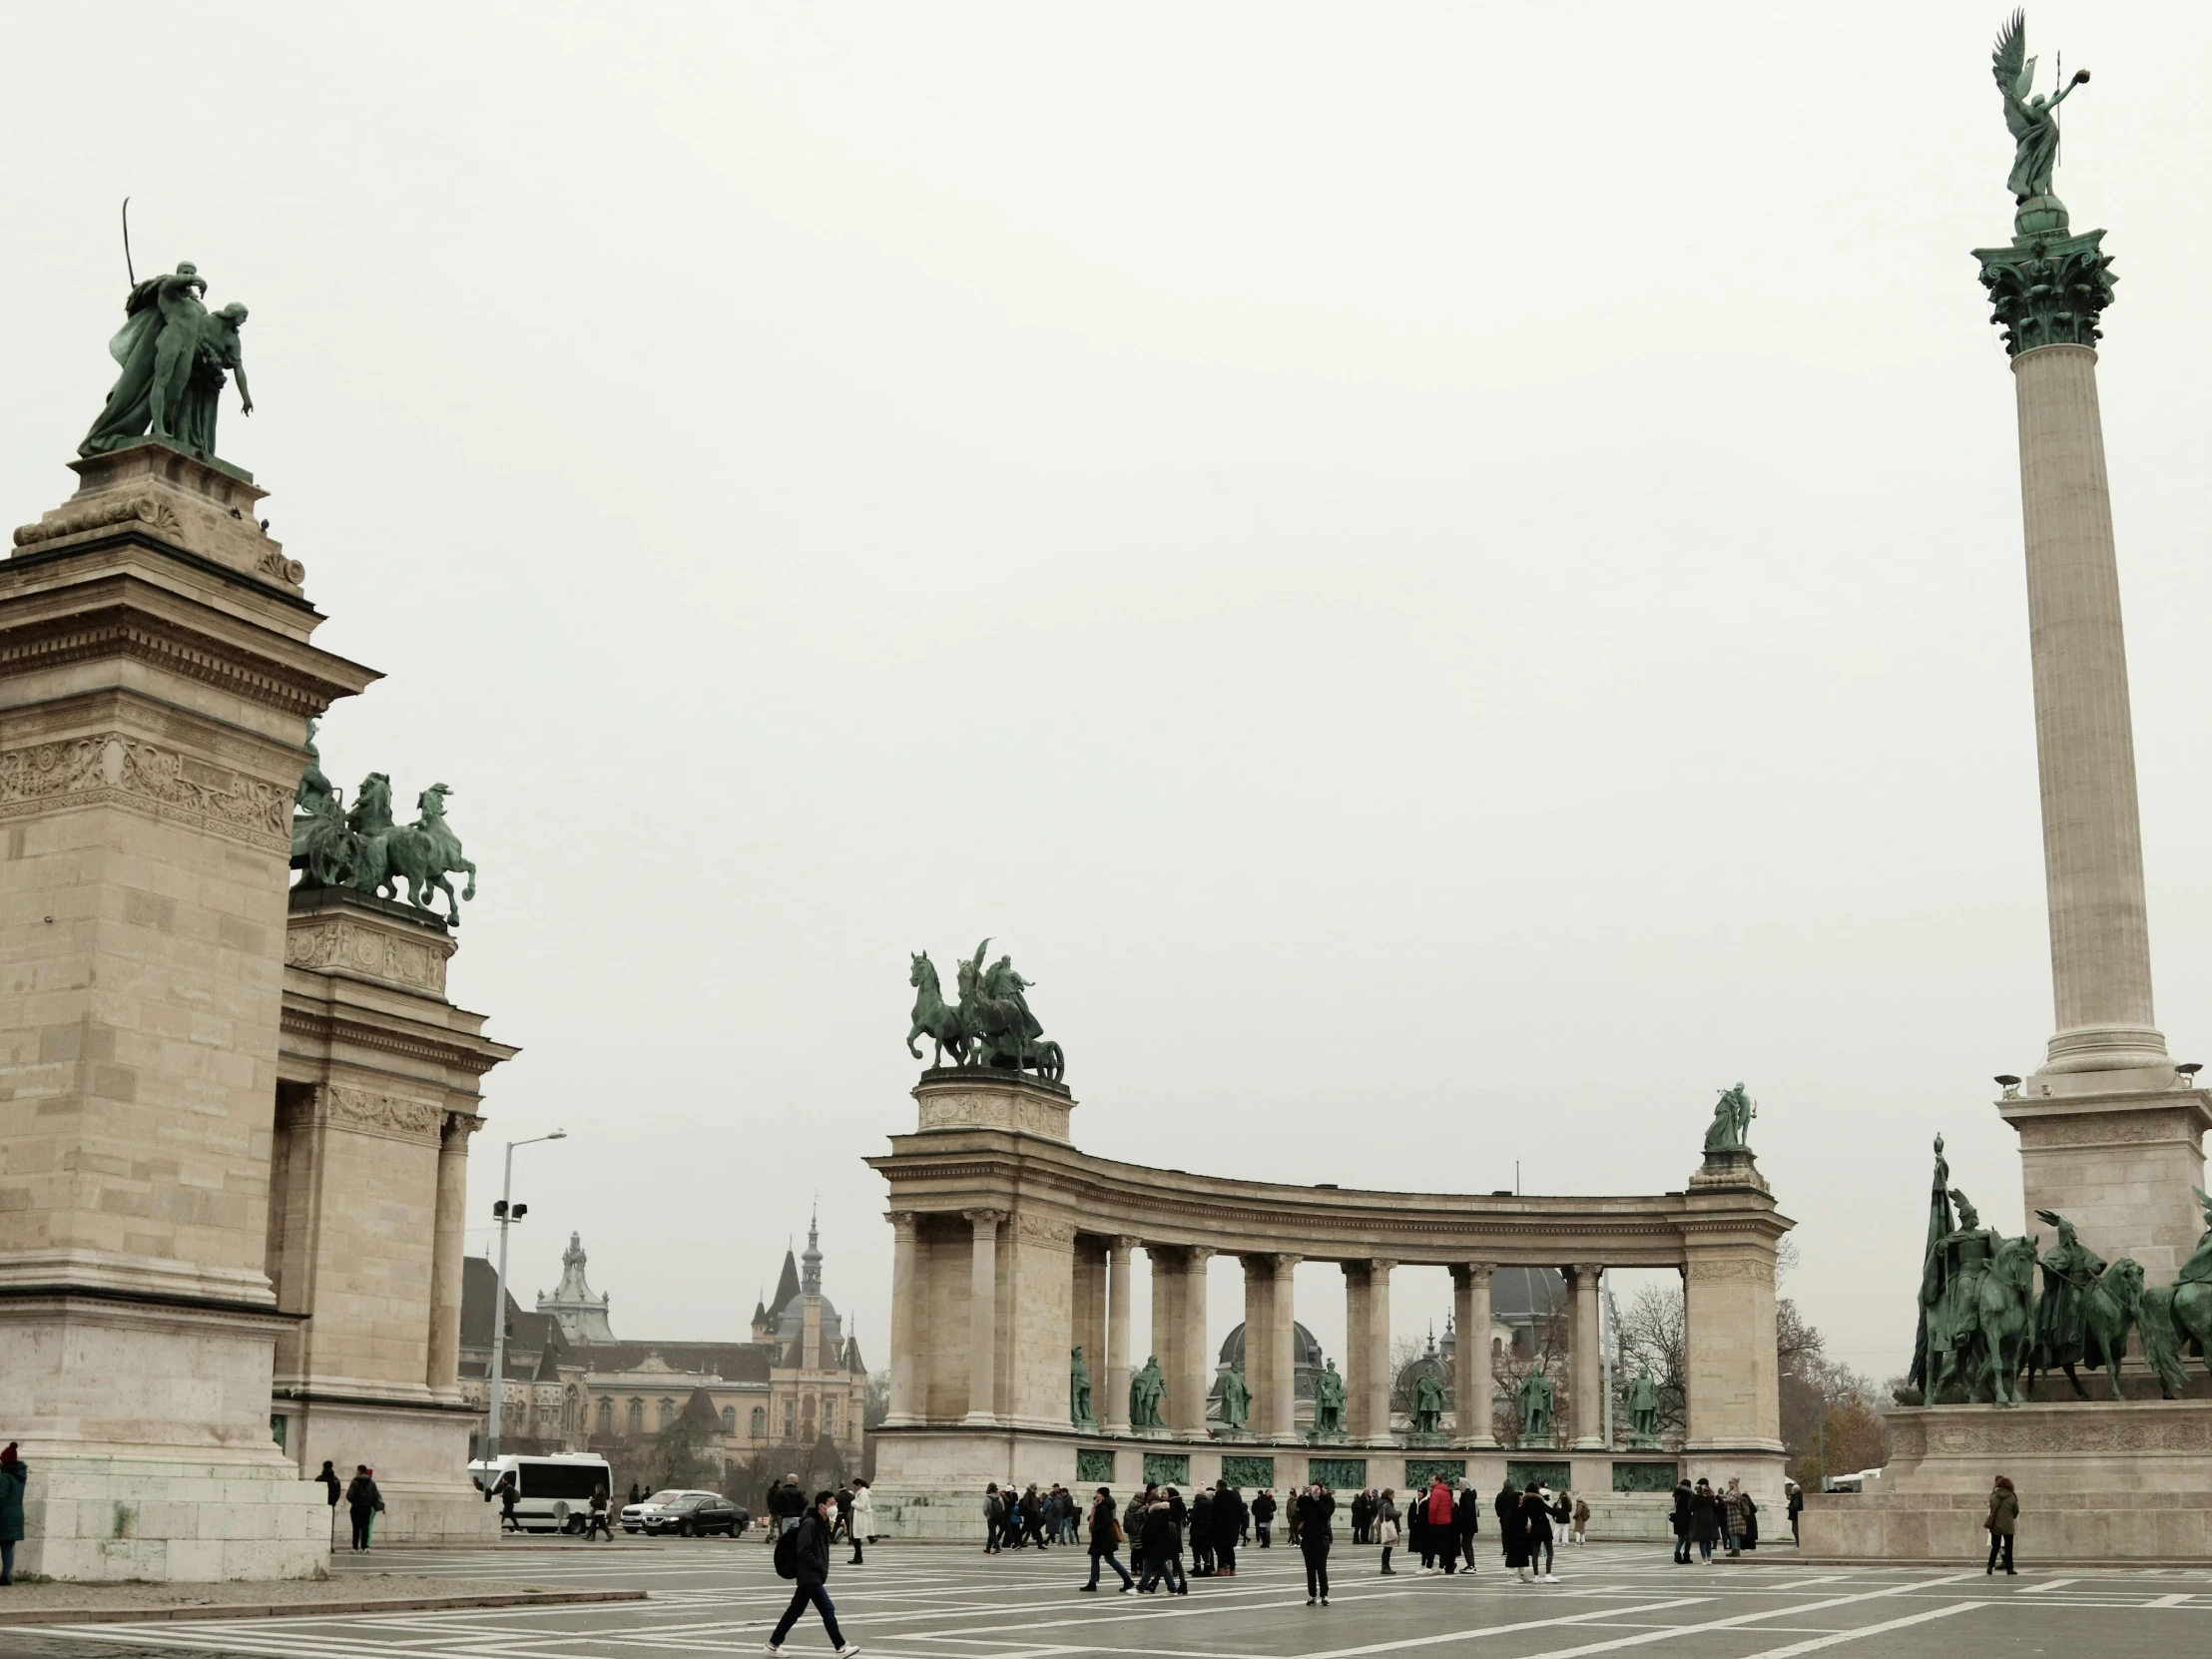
{"x": 791, "y": 1417}
{"x": 828, "y": 1416}
{"x": 606, "y": 1416}
{"x": 728, "y": 1420}
{"x": 760, "y": 1422}
{"x": 667, "y": 1413}
{"x": 637, "y": 1416}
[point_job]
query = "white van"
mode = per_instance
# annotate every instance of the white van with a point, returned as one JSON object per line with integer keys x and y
{"x": 553, "y": 1493}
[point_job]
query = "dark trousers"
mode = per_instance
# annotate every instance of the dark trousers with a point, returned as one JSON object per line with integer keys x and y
{"x": 7, "y": 1560}
{"x": 1157, "y": 1568}
{"x": 1466, "y": 1546}
{"x": 1315, "y": 1552}
{"x": 1264, "y": 1529}
{"x": 1111, "y": 1560}
{"x": 1225, "y": 1556}
{"x": 802, "y": 1593}
{"x": 857, "y": 1560}
{"x": 361, "y": 1514}
{"x": 2000, "y": 1542}
{"x": 1682, "y": 1547}
{"x": 1033, "y": 1527}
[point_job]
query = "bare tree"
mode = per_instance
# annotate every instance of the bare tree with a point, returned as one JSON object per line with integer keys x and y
{"x": 1652, "y": 1337}
{"x": 1511, "y": 1366}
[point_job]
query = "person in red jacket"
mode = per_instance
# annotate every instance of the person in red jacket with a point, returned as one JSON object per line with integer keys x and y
{"x": 1441, "y": 1526}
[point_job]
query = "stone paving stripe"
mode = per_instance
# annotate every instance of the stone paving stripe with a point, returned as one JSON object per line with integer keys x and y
{"x": 2053, "y": 1584}
{"x": 294, "y": 1609}
{"x": 1842, "y": 1636}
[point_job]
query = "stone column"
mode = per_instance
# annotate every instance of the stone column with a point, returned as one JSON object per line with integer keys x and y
{"x": 1584, "y": 1372}
{"x": 1730, "y": 1382}
{"x": 1379, "y": 1377}
{"x": 1355, "y": 1349}
{"x": 1169, "y": 1287}
{"x": 449, "y": 1228}
{"x": 1115, "y": 1417}
{"x": 983, "y": 1318}
{"x": 1194, "y": 1355}
{"x": 2084, "y": 743}
{"x": 908, "y": 1292}
{"x": 1472, "y": 1387}
{"x": 1259, "y": 1325}
{"x": 1282, "y": 1349}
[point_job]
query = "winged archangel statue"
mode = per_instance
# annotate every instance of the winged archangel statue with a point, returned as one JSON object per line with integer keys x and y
{"x": 2033, "y": 119}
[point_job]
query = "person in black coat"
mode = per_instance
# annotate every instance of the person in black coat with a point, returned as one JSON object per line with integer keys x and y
{"x": 1466, "y": 1520}
{"x": 1512, "y": 1530}
{"x": 1314, "y": 1539}
{"x": 1705, "y": 1519}
{"x": 362, "y": 1500}
{"x": 811, "y": 1555}
{"x": 1263, "y": 1517}
{"x": 1797, "y": 1509}
{"x": 1105, "y": 1539}
{"x": 1685, "y": 1522}
{"x": 1163, "y": 1544}
{"x": 1538, "y": 1517}
{"x": 1202, "y": 1534}
{"x": 1229, "y": 1524}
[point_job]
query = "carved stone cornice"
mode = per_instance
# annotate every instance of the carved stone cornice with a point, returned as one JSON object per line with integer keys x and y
{"x": 458, "y": 1052}
{"x": 120, "y": 630}
{"x": 115, "y": 767}
{"x": 413, "y": 957}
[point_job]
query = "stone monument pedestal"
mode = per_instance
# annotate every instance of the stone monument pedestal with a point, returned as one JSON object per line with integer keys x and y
{"x": 2100, "y": 1483}
{"x": 155, "y": 677}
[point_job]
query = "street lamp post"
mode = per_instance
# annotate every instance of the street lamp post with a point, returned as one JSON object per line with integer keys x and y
{"x": 503, "y": 1212}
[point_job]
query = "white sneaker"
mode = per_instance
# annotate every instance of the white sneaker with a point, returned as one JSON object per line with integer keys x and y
{"x": 849, "y": 1651}
{"x": 1551, "y": 1578}
{"x": 771, "y": 1647}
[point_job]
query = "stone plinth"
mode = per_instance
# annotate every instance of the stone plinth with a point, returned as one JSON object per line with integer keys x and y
{"x": 982, "y": 1097}
{"x": 377, "y": 1101}
{"x": 2118, "y": 1162}
{"x": 2099, "y": 1482}
{"x": 154, "y": 684}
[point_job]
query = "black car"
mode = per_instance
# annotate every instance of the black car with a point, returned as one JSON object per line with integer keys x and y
{"x": 688, "y": 1515}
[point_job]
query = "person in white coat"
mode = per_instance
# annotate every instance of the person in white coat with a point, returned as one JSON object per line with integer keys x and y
{"x": 863, "y": 1520}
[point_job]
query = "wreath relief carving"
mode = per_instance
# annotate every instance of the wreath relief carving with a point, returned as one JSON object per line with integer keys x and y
{"x": 390, "y": 1114}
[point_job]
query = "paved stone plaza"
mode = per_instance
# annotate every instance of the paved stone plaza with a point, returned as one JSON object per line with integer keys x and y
{"x": 945, "y": 1602}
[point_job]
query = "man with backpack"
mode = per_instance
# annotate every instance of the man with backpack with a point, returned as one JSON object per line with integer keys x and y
{"x": 802, "y": 1554}
{"x": 994, "y": 1518}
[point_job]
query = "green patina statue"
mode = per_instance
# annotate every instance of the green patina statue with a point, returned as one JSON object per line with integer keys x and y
{"x": 2178, "y": 1317}
{"x": 1079, "y": 1392}
{"x": 1536, "y": 1399}
{"x": 2032, "y": 117}
{"x": 1328, "y": 1401}
{"x": 1428, "y": 1404}
{"x": 175, "y": 356}
{"x": 2071, "y": 1271}
{"x": 1732, "y": 1117}
{"x": 1643, "y": 1411}
{"x": 1235, "y": 1398}
{"x": 991, "y": 1026}
{"x": 1146, "y": 1390}
{"x": 361, "y": 847}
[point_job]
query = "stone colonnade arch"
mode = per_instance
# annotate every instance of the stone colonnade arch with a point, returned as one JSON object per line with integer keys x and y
{"x": 1013, "y": 1247}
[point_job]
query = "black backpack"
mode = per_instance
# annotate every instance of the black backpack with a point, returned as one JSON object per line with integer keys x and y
{"x": 787, "y": 1553}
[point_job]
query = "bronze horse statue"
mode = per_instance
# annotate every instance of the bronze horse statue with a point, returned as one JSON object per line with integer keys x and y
{"x": 2005, "y": 1315}
{"x": 934, "y": 1018}
{"x": 2114, "y": 1304}
{"x": 2176, "y": 1319}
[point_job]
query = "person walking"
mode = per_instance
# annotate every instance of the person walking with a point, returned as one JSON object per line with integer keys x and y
{"x": 332, "y": 1488}
{"x": 14, "y": 1476}
{"x": 1163, "y": 1545}
{"x": 1229, "y": 1526}
{"x": 1581, "y": 1533}
{"x": 862, "y": 1523}
{"x": 596, "y": 1523}
{"x": 1512, "y": 1527}
{"x": 1705, "y": 1520}
{"x": 2004, "y": 1514}
{"x": 1444, "y": 1536}
{"x": 1539, "y": 1533}
{"x": 1106, "y": 1537}
{"x": 1362, "y": 1511}
{"x": 509, "y": 1493}
{"x": 1032, "y": 1517}
{"x": 362, "y": 1500}
{"x": 845, "y": 1514}
{"x": 1732, "y": 1519}
{"x": 1685, "y": 1520}
{"x": 787, "y": 1507}
{"x": 1263, "y": 1517}
{"x": 1314, "y": 1539}
{"x": 810, "y": 1559}
{"x": 1418, "y": 1542}
{"x": 1202, "y": 1534}
{"x": 1467, "y": 1522}
{"x": 1385, "y": 1528}
{"x": 1563, "y": 1519}
{"x": 1796, "y": 1497}
{"x": 994, "y": 1517}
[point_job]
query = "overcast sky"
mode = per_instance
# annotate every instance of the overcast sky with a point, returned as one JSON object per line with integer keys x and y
{"x": 1446, "y": 578}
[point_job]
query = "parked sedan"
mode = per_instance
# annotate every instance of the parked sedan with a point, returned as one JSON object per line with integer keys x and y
{"x": 685, "y": 1513}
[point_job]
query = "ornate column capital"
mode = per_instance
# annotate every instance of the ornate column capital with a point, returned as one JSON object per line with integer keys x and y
{"x": 457, "y": 1128}
{"x": 1121, "y": 1244}
{"x": 1472, "y": 1273}
{"x": 2047, "y": 289}
{"x": 1284, "y": 1262}
{"x": 1199, "y": 1254}
{"x": 981, "y": 1218}
{"x": 903, "y": 1221}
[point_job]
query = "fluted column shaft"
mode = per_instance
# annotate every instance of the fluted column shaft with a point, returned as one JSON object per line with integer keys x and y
{"x": 1116, "y": 1416}
{"x": 907, "y": 1291}
{"x": 2084, "y": 739}
{"x": 449, "y": 1224}
{"x": 1472, "y": 1385}
{"x": 1281, "y": 1418}
{"x": 1195, "y": 1359}
{"x": 983, "y": 1318}
{"x": 1355, "y": 1349}
{"x": 1379, "y": 1349}
{"x": 1585, "y": 1364}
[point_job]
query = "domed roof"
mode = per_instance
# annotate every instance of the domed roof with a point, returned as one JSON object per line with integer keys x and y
{"x": 1305, "y": 1348}
{"x": 1526, "y": 1292}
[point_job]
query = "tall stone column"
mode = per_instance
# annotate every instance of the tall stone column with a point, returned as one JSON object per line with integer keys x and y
{"x": 907, "y": 1292}
{"x": 1193, "y": 1356}
{"x": 983, "y": 1318}
{"x": 1585, "y": 1364}
{"x": 1116, "y": 1416}
{"x": 1379, "y": 1377}
{"x": 1170, "y": 1286}
{"x": 1259, "y": 1320}
{"x": 1472, "y": 1387}
{"x": 1283, "y": 1350}
{"x": 1355, "y": 1349}
{"x": 2106, "y": 1083}
{"x": 443, "y": 1373}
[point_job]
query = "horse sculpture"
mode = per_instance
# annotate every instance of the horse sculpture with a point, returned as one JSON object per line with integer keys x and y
{"x": 2176, "y": 1319}
{"x": 2114, "y": 1304}
{"x": 2004, "y": 1318}
{"x": 934, "y": 1018}
{"x": 418, "y": 856}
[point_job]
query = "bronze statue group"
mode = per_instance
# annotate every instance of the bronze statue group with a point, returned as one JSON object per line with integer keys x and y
{"x": 1983, "y": 1324}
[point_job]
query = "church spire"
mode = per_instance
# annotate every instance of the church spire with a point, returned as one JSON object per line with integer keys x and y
{"x": 810, "y": 1283}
